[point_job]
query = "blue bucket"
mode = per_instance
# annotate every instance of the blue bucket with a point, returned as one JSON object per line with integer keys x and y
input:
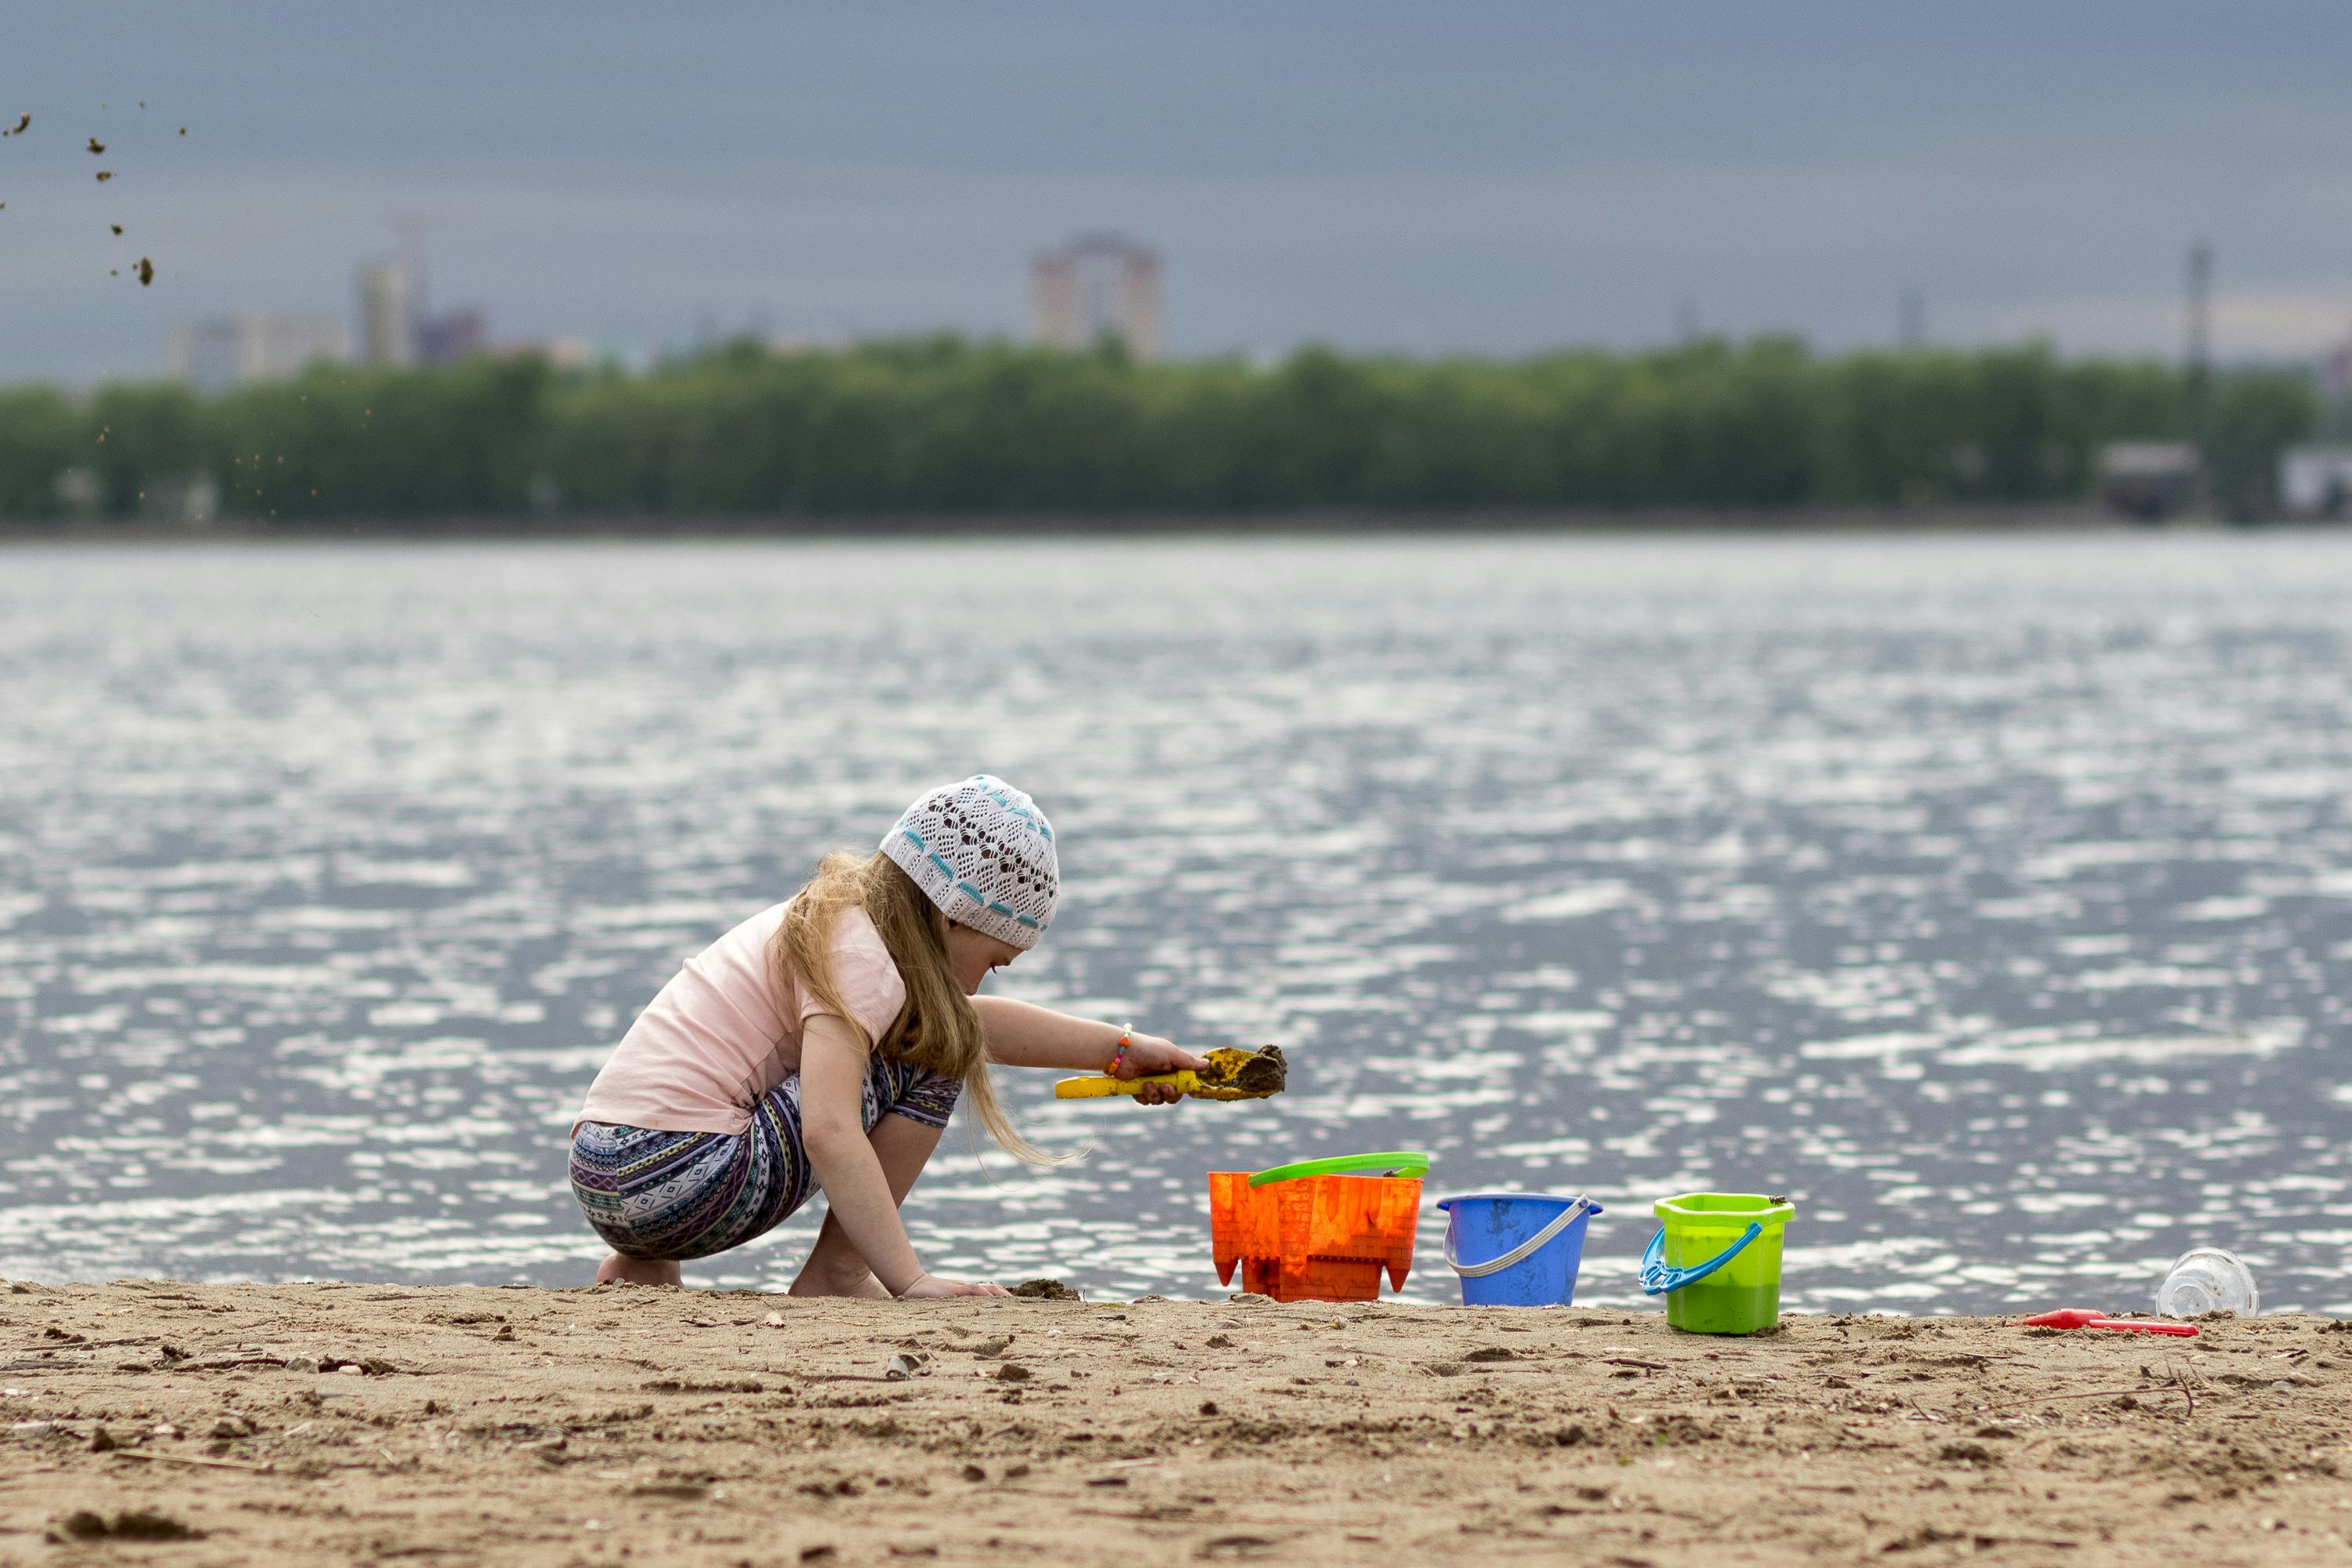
{"x": 1517, "y": 1250}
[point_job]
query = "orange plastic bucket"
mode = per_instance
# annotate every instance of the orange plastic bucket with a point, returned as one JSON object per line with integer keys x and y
{"x": 1315, "y": 1238}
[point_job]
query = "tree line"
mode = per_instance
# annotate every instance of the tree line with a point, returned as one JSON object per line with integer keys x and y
{"x": 947, "y": 426}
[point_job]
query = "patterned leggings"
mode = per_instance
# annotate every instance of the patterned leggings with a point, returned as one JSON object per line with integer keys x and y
{"x": 680, "y": 1196}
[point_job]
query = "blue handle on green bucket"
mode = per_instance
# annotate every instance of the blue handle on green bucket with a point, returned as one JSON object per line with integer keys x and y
{"x": 1657, "y": 1278}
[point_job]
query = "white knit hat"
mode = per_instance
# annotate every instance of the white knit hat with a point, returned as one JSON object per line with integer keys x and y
{"x": 984, "y": 853}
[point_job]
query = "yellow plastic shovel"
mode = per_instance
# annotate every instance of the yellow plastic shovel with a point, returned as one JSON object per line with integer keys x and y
{"x": 1230, "y": 1075}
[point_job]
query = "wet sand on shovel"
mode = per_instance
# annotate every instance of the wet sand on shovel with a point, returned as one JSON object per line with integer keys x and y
{"x": 348, "y": 1423}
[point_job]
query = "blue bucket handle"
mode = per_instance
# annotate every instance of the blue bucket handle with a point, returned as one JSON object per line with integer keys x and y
{"x": 1657, "y": 1278}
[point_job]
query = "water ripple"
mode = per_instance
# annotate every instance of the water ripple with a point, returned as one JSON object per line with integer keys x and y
{"x": 1993, "y": 896}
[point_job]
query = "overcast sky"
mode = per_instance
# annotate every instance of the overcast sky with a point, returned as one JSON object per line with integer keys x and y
{"x": 1486, "y": 176}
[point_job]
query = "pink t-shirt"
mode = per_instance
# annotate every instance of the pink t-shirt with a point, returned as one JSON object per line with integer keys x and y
{"x": 719, "y": 1035}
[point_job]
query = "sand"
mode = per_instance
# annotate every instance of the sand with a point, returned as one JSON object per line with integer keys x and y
{"x": 623, "y": 1423}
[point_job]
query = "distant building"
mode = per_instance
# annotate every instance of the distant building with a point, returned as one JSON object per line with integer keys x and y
{"x": 1097, "y": 284}
{"x": 2149, "y": 479}
{"x": 451, "y": 336}
{"x": 574, "y": 351}
{"x": 387, "y": 313}
{"x": 220, "y": 351}
{"x": 560, "y": 354}
{"x": 2316, "y": 482}
{"x": 2335, "y": 371}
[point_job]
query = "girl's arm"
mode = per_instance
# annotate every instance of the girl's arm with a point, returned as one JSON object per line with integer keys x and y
{"x": 833, "y": 1092}
{"x": 1022, "y": 1033}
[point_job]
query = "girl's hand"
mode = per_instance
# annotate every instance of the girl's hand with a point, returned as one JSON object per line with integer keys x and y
{"x": 1147, "y": 1055}
{"x": 931, "y": 1288}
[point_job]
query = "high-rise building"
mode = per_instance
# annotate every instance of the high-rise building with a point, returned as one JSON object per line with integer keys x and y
{"x": 387, "y": 310}
{"x": 1097, "y": 284}
{"x": 2335, "y": 371}
{"x": 451, "y": 336}
{"x": 220, "y": 351}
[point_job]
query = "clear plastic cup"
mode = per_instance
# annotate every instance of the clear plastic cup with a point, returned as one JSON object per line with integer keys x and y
{"x": 2207, "y": 1280}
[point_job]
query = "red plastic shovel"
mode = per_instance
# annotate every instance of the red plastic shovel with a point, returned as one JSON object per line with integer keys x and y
{"x": 2083, "y": 1317}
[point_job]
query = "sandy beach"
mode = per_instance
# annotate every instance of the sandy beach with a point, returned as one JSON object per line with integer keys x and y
{"x": 351, "y": 1422}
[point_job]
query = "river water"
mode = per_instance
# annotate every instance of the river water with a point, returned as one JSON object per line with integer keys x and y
{"x": 1991, "y": 894}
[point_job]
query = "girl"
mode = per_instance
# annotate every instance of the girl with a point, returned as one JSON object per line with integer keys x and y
{"x": 823, "y": 1042}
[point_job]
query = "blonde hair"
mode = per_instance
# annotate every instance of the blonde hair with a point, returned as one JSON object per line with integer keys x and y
{"x": 938, "y": 1029}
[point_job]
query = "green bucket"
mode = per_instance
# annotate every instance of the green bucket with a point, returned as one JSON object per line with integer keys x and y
{"x": 1716, "y": 1260}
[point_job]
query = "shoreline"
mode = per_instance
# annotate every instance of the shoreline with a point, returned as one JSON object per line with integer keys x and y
{"x": 351, "y": 1421}
{"x": 1664, "y": 523}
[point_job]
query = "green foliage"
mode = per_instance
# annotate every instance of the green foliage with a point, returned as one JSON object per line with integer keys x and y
{"x": 40, "y": 436}
{"x": 384, "y": 443}
{"x": 2253, "y": 416}
{"x": 2333, "y": 423}
{"x": 939, "y": 425}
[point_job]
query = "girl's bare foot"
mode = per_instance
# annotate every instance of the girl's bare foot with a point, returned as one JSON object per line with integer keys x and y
{"x": 639, "y": 1271}
{"x": 834, "y": 1267}
{"x": 819, "y": 1281}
